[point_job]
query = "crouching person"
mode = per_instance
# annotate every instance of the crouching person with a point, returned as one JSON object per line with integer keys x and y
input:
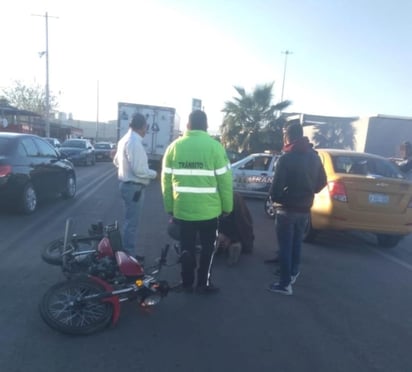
{"x": 236, "y": 231}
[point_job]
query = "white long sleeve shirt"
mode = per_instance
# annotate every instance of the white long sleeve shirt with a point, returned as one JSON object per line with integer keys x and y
{"x": 131, "y": 160}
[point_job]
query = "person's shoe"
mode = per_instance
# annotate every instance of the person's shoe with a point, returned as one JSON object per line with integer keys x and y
{"x": 207, "y": 289}
{"x": 272, "y": 260}
{"x": 183, "y": 288}
{"x": 294, "y": 277}
{"x": 277, "y": 288}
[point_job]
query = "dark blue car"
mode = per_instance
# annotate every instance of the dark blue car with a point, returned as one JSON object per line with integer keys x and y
{"x": 79, "y": 151}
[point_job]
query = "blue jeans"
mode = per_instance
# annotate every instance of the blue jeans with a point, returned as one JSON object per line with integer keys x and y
{"x": 132, "y": 216}
{"x": 290, "y": 227}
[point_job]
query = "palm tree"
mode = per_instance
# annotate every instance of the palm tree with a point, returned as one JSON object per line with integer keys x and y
{"x": 334, "y": 135}
{"x": 250, "y": 123}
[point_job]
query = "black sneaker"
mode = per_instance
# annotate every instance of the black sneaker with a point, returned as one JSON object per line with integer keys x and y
{"x": 207, "y": 289}
{"x": 277, "y": 288}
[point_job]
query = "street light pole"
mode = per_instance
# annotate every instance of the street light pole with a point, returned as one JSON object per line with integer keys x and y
{"x": 286, "y": 53}
{"x": 47, "y": 103}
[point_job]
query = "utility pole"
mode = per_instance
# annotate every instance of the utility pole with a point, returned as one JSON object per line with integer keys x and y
{"x": 46, "y": 16}
{"x": 286, "y": 53}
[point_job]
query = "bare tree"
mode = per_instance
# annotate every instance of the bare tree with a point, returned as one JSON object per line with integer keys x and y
{"x": 31, "y": 98}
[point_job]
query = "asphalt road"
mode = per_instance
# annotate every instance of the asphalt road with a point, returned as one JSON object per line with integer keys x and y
{"x": 351, "y": 308}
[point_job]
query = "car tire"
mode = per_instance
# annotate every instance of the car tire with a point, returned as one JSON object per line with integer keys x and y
{"x": 269, "y": 209}
{"x": 28, "y": 201}
{"x": 309, "y": 235}
{"x": 388, "y": 240}
{"x": 71, "y": 187}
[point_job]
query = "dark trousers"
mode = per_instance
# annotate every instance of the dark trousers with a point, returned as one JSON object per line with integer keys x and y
{"x": 189, "y": 231}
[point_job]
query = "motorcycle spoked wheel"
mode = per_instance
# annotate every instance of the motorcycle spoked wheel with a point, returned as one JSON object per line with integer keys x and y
{"x": 63, "y": 308}
{"x": 52, "y": 252}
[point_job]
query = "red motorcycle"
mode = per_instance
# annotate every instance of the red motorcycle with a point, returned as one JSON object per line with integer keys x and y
{"x": 100, "y": 279}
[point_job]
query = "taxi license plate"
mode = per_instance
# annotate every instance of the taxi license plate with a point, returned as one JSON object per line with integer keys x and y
{"x": 378, "y": 199}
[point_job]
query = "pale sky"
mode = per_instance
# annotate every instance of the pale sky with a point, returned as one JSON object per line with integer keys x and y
{"x": 349, "y": 57}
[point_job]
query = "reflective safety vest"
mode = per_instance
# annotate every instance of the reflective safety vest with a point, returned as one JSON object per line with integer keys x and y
{"x": 196, "y": 178}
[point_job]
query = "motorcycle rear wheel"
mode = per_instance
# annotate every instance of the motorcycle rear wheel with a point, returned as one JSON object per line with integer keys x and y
{"x": 63, "y": 308}
{"x": 52, "y": 252}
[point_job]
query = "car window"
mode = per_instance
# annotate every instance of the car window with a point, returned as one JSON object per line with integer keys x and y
{"x": 260, "y": 163}
{"x": 29, "y": 146}
{"x": 45, "y": 149}
{"x": 102, "y": 146}
{"x": 365, "y": 166}
{"x": 21, "y": 150}
{"x": 74, "y": 143}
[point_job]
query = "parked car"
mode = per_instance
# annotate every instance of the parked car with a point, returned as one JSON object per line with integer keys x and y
{"x": 365, "y": 192}
{"x": 30, "y": 169}
{"x": 252, "y": 175}
{"x": 103, "y": 151}
{"x": 53, "y": 141}
{"x": 79, "y": 151}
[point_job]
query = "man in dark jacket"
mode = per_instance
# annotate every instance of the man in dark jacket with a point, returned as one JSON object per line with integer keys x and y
{"x": 299, "y": 174}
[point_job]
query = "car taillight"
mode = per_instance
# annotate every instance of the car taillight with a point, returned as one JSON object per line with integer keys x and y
{"x": 337, "y": 191}
{"x": 5, "y": 170}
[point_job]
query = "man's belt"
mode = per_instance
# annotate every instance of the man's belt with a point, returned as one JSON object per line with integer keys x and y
{"x": 135, "y": 183}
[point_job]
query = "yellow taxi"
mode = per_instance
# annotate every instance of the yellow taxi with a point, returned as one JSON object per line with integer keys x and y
{"x": 364, "y": 192}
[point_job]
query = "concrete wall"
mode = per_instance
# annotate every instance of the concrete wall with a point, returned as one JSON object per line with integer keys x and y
{"x": 96, "y": 131}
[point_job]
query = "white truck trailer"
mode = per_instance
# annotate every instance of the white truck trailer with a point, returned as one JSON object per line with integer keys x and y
{"x": 163, "y": 128}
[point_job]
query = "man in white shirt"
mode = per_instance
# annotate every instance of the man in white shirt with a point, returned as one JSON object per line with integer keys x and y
{"x": 134, "y": 175}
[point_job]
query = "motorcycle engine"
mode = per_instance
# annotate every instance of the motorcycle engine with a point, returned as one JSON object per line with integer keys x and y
{"x": 104, "y": 268}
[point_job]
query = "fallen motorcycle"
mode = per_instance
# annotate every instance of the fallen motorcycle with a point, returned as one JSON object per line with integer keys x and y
{"x": 54, "y": 251}
{"x": 102, "y": 279}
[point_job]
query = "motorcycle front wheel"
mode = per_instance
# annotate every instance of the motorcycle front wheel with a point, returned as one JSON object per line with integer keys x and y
{"x": 65, "y": 308}
{"x": 52, "y": 252}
